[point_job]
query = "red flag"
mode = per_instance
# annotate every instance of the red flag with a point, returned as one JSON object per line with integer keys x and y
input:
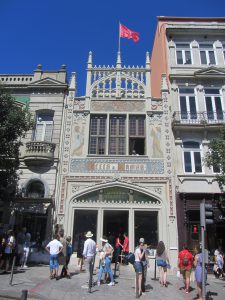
{"x": 129, "y": 34}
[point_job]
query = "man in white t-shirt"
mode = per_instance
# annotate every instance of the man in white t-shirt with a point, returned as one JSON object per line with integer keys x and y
{"x": 54, "y": 248}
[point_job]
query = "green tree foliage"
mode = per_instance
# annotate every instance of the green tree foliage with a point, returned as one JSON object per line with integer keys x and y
{"x": 216, "y": 157}
{"x": 15, "y": 121}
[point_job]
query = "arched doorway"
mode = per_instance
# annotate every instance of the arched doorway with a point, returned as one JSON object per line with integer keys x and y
{"x": 116, "y": 209}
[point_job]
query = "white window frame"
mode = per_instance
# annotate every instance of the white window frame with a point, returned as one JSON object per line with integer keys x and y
{"x": 180, "y": 94}
{"x": 203, "y": 48}
{"x": 183, "y": 53}
{"x": 213, "y": 96}
{"x": 192, "y": 151}
{"x": 44, "y": 124}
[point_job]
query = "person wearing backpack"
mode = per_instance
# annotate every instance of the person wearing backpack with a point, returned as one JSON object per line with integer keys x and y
{"x": 185, "y": 263}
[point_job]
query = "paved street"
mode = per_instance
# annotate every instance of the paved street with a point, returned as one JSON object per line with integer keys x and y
{"x": 36, "y": 281}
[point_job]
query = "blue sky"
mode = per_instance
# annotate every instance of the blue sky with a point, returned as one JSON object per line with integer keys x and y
{"x": 55, "y": 32}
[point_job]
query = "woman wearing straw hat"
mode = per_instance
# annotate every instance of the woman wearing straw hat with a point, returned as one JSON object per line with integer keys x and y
{"x": 106, "y": 256}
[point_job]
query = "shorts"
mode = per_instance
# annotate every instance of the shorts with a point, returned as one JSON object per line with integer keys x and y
{"x": 138, "y": 267}
{"x": 54, "y": 264}
{"x": 186, "y": 273}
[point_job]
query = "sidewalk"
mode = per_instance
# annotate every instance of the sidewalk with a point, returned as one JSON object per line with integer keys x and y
{"x": 36, "y": 281}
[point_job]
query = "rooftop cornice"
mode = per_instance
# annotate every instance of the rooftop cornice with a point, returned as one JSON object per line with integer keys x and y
{"x": 190, "y": 19}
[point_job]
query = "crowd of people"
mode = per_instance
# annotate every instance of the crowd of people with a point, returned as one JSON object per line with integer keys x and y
{"x": 14, "y": 245}
{"x": 111, "y": 249}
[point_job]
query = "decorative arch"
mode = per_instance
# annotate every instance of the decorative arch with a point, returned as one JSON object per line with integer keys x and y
{"x": 98, "y": 194}
{"x": 35, "y": 188}
{"x": 124, "y": 86}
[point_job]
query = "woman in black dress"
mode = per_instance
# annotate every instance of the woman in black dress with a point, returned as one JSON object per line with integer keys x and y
{"x": 80, "y": 248}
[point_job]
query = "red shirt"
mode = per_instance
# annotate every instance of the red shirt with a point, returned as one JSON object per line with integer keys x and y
{"x": 126, "y": 244}
{"x": 189, "y": 256}
{"x": 117, "y": 242}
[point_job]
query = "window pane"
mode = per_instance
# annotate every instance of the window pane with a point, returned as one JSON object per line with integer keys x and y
{"x": 39, "y": 132}
{"x": 203, "y": 57}
{"x": 101, "y": 145}
{"x": 187, "y": 162}
{"x": 121, "y": 146}
{"x": 191, "y": 144}
{"x": 112, "y": 146}
{"x": 186, "y": 91}
{"x": 219, "y": 111}
{"x": 132, "y": 127}
{"x": 94, "y": 126}
{"x": 141, "y": 126}
{"x": 209, "y": 108}
{"x": 183, "y": 107}
{"x": 188, "y": 57}
{"x": 212, "y": 91}
{"x": 179, "y": 57}
{"x": 102, "y": 126}
{"x": 198, "y": 163}
{"x": 193, "y": 113}
{"x": 48, "y": 133}
{"x": 93, "y": 143}
{"x": 212, "y": 60}
{"x": 121, "y": 126}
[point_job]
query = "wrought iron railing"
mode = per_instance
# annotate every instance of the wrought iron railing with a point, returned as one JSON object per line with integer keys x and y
{"x": 203, "y": 117}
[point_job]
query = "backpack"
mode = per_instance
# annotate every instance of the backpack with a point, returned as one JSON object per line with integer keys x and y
{"x": 130, "y": 258}
{"x": 185, "y": 260}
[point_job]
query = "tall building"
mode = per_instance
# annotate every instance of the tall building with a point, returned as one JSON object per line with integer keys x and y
{"x": 44, "y": 92}
{"x": 191, "y": 54}
{"x": 115, "y": 170}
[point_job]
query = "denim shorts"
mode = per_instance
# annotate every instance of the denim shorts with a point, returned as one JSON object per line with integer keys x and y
{"x": 54, "y": 263}
{"x": 138, "y": 267}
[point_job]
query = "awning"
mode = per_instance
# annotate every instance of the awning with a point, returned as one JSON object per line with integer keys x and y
{"x": 29, "y": 205}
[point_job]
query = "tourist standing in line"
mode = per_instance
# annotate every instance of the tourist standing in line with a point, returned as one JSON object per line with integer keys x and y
{"x": 20, "y": 240}
{"x": 118, "y": 247}
{"x": 185, "y": 263}
{"x": 8, "y": 251}
{"x": 26, "y": 250}
{"x": 106, "y": 257}
{"x": 80, "y": 249}
{"x": 139, "y": 254}
{"x": 62, "y": 255}
{"x": 198, "y": 272}
{"x": 54, "y": 248}
{"x": 125, "y": 244}
{"x": 144, "y": 262}
{"x": 162, "y": 261}
{"x": 89, "y": 254}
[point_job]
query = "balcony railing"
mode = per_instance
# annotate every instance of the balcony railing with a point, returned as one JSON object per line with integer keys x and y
{"x": 199, "y": 118}
{"x": 39, "y": 153}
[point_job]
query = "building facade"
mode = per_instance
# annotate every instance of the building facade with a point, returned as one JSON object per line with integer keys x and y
{"x": 115, "y": 171}
{"x": 191, "y": 52}
{"x": 44, "y": 92}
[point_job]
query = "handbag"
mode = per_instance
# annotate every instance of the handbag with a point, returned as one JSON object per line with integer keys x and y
{"x": 161, "y": 263}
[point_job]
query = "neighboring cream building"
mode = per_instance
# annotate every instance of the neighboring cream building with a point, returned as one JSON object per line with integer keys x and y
{"x": 191, "y": 52}
{"x": 115, "y": 172}
{"x": 44, "y": 92}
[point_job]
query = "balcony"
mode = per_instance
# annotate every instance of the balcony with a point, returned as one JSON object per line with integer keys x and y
{"x": 198, "y": 119}
{"x": 39, "y": 153}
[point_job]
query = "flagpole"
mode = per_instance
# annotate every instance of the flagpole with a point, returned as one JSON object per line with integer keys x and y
{"x": 119, "y": 38}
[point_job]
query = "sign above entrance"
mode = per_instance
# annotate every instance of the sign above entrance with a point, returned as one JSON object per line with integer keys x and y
{"x": 138, "y": 166}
